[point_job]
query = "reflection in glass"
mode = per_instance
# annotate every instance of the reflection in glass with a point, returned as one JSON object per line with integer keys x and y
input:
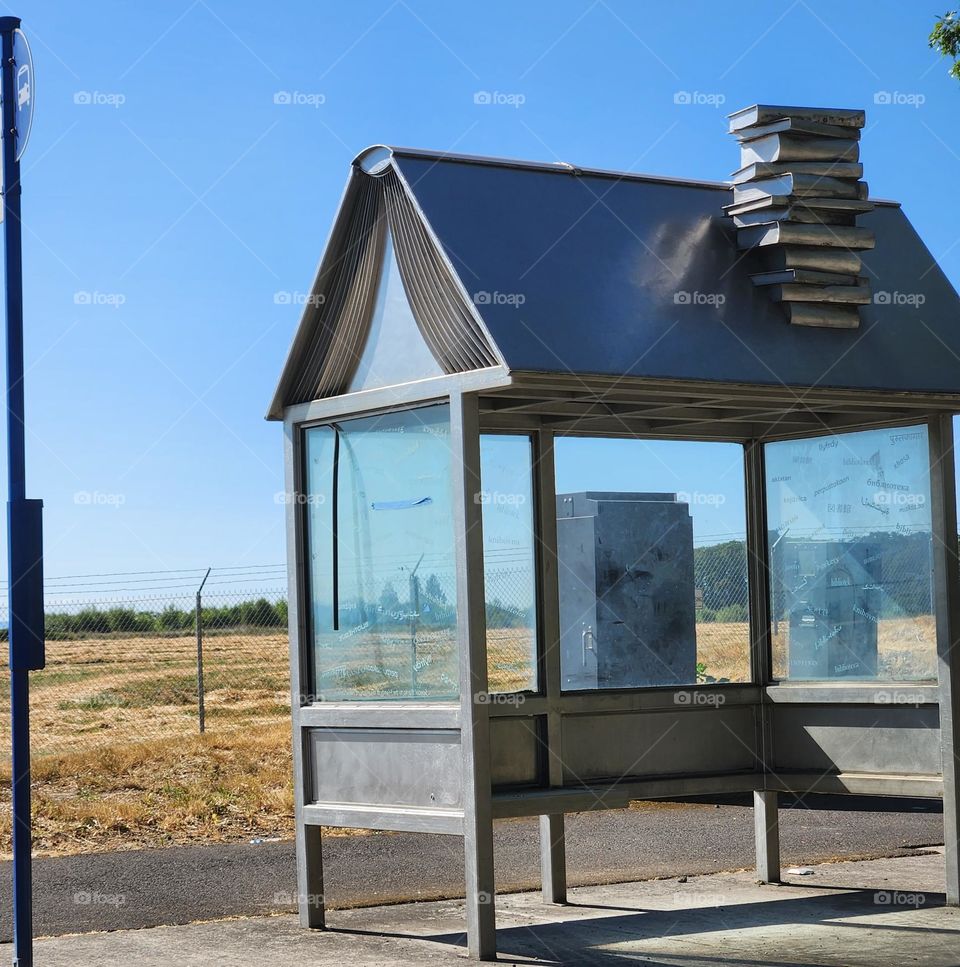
{"x": 652, "y": 563}
{"x": 850, "y": 557}
{"x": 381, "y": 557}
{"x": 508, "y": 561}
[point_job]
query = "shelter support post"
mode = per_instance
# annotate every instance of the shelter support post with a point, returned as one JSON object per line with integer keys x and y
{"x": 946, "y": 583}
{"x": 766, "y": 824}
{"x": 553, "y": 852}
{"x": 765, "y": 813}
{"x": 307, "y": 843}
{"x": 310, "y": 905}
{"x": 472, "y": 644}
{"x": 553, "y": 859}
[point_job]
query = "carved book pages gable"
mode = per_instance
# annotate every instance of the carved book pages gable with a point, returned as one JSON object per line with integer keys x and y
{"x": 796, "y": 198}
{"x": 386, "y": 308}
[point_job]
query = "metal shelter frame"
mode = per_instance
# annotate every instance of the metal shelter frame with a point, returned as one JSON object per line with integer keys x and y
{"x": 764, "y": 737}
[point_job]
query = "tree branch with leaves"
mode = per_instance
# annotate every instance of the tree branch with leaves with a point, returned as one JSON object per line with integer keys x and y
{"x": 945, "y": 37}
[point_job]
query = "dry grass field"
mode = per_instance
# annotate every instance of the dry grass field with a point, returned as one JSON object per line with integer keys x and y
{"x": 906, "y": 649}
{"x": 119, "y": 763}
{"x": 121, "y": 688}
{"x": 118, "y": 758}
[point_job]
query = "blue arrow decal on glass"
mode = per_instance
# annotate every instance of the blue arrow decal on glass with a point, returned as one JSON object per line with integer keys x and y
{"x": 401, "y": 504}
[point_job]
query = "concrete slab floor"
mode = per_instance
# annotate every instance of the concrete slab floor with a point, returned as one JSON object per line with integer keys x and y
{"x": 865, "y": 914}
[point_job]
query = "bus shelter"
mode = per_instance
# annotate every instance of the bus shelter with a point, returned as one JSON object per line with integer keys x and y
{"x": 578, "y": 516}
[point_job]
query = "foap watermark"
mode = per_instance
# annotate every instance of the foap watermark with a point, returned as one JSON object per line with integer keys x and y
{"x": 484, "y": 298}
{"x": 96, "y": 701}
{"x": 290, "y": 898}
{"x": 99, "y": 99}
{"x": 499, "y": 698}
{"x": 97, "y": 498}
{"x": 285, "y": 298}
{"x": 899, "y": 99}
{"x": 897, "y": 898}
{"x": 95, "y": 898}
{"x": 285, "y": 497}
{"x": 898, "y": 696}
{"x": 499, "y": 99}
{"x": 914, "y": 299}
{"x": 299, "y": 98}
{"x": 496, "y": 498}
{"x": 696, "y": 498}
{"x": 692, "y": 696}
{"x": 899, "y": 499}
{"x": 96, "y": 298}
{"x": 699, "y": 899}
{"x": 684, "y": 298}
{"x": 699, "y": 98}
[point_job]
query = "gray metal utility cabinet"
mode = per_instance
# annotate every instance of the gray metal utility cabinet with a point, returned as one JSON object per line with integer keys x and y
{"x": 625, "y": 561}
{"x": 471, "y": 316}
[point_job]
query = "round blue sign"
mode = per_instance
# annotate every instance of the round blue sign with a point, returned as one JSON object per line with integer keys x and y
{"x": 23, "y": 88}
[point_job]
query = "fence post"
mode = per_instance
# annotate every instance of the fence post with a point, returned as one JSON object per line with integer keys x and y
{"x": 199, "y": 623}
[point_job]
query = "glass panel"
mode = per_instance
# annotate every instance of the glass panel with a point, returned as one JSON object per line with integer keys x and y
{"x": 509, "y": 568}
{"x": 318, "y": 455}
{"x": 395, "y": 351}
{"x": 381, "y": 568}
{"x": 850, "y": 557}
{"x": 652, "y": 572}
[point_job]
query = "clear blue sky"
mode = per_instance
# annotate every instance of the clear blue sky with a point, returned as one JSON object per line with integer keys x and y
{"x": 163, "y": 180}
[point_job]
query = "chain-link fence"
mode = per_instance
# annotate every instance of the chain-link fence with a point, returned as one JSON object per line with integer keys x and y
{"x": 511, "y": 629}
{"x": 135, "y": 669}
{"x": 140, "y": 668}
{"x": 122, "y": 671}
{"x": 859, "y": 607}
{"x": 130, "y": 679}
{"x": 722, "y": 600}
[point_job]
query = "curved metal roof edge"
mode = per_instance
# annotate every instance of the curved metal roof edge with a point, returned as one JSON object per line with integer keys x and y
{"x": 375, "y": 152}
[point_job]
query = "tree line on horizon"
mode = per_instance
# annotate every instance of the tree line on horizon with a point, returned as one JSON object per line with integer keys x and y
{"x": 259, "y": 613}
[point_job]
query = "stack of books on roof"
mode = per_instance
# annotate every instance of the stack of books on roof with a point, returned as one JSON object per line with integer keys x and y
{"x": 796, "y": 198}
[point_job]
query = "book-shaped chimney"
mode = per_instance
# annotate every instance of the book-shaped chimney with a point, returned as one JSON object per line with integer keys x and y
{"x": 796, "y": 198}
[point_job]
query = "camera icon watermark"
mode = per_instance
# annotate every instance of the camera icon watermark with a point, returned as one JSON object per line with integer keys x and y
{"x": 696, "y": 498}
{"x": 499, "y": 499}
{"x": 699, "y": 99}
{"x": 286, "y": 298}
{"x": 299, "y": 98}
{"x": 286, "y": 498}
{"x": 96, "y": 498}
{"x": 499, "y": 698}
{"x": 85, "y": 298}
{"x": 499, "y": 99}
{"x": 99, "y": 99}
{"x": 898, "y": 99}
{"x": 897, "y": 498}
{"x": 685, "y": 298}
{"x": 694, "y": 697}
{"x": 484, "y": 298}
{"x": 290, "y": 898}
{"x": 898, "y": 697}
{"x": 697, "y": 898}
{"x": 897, "y": 898}
{"x": 95, "y": 898}
{"x": 913, "y": 299}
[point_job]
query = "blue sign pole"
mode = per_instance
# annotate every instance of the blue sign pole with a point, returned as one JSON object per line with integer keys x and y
{"x": 25, "y": 547}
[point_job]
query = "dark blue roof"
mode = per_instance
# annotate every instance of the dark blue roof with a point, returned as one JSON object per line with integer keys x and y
{"x": 607, "y": 274}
